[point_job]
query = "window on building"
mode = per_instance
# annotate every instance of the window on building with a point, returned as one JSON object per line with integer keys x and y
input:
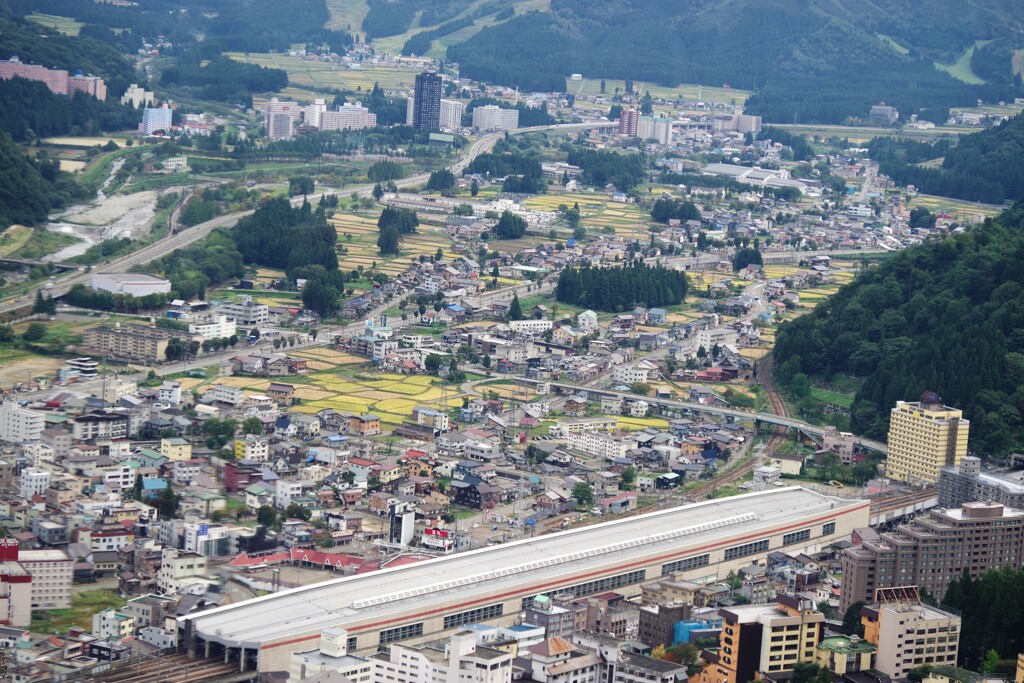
{"x": 391, "y": 635}
{"x": 474, "y": 615}
{"x": 746, "y": 549}
{"x": 828, "y": 528}
{"x": 796, "y": 537}
{"x": 686, "y": 563}
{"x": 598, "y": 586}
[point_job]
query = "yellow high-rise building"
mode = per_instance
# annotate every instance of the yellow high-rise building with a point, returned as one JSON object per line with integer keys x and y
{"x": 924, "y": 437}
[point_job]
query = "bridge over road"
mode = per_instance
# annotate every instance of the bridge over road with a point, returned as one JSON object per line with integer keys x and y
{"x": 769, "y": 418}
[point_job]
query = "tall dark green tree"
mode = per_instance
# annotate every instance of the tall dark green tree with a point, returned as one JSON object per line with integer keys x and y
{"x": 388, "y": 242}
{"x": 515, "y": 310}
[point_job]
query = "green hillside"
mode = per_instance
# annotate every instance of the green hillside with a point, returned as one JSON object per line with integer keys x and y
{"x": 945, "y": 316}
{"x": 822, "y": 60}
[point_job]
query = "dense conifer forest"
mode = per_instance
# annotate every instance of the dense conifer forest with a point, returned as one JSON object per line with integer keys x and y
{"x": 621, "y": 288}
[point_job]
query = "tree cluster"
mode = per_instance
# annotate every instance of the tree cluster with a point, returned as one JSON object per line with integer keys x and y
{"x": 29, "y": 110}
{"x": 745, "y": 256}
{"x": 983, "y": 167}
{"x": 667, "y": 209}
{"x": 383, "y": 171}
{"x": 224, "y": 79}
{"x": 441, "y": 181}
{"x": 601, "y": 167}
{"x": 621, "y": 288}
{"x": 945, "y": 316}
{"x": 192, "y": 269}
{"x": 992, "y": 614}
{"x": 30, "y": 188}
{"x": 37, "y": 44}
{"x": 499, "y": 165}
{"x": 405, "y": 221}
{"x": 510, "y": 226}
{"x": 280, "y": 236}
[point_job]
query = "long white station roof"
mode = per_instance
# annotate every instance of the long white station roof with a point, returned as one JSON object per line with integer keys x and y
{"x": 529, "y": 564}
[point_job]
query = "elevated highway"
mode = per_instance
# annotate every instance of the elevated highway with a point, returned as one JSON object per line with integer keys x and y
{"x": 733, "y": 413}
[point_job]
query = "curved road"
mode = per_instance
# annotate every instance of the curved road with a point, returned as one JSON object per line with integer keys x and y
{"x": 177, "y": 240}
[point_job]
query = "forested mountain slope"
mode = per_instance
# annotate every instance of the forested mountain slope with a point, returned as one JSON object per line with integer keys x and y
{"x": 987, "y": 166}
{"x": 807, "y": 60}
{"x": 944, "y": 316}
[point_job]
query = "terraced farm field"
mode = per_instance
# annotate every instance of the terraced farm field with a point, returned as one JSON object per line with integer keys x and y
{"x": 340, "y": 384}
{"x": 598, "y": 211}
{"x": 362, "y": 247}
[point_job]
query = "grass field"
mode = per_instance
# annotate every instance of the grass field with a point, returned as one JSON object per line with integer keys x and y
{"x": 347, "y": 14}
{"x": 964, "y": 210}
{"x": 888, "y": 40}
{"x": 438, "y": 48}
{"x": 14, "y": 238}
{"x": 65, "y": 25}
{"x": 961, "y": 68}
{"x": 833, "y": 397}
{"x": 83, "y": 606}
{"x": 316, "y": 76}
{"x": 683, "y": 91}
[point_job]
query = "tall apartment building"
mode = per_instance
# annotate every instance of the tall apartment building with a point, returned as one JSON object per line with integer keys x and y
{"x": 963, "y": 483}
{"x": 90, "y": 85}
{"x": 908, "y": 633}
{"x": 924, "y": 437}
{"x": 130, "y": 342}
{"x": 156, "y": 119}
{"x": 931, "y": 551}
{"x": 348, "y": 117}
{"x": 18, "y": 424}
{"x": 52, "y": 571}
{"x": 764, "y": 639}
{"x": 427, "y": 102}
{"x": 491, "y": 118}
{"x": 136, "y": 96}
{"x": 312, "y": 112}
{"x": 461, "y": 659}
{"x": 15, "y": 587}
{"x": 629, "y": 121}
{"x": 57, "y": 80}
{"x": 280, "y": 118}
{"x": 656, "y": 128}
{"x": 451, "y": 114}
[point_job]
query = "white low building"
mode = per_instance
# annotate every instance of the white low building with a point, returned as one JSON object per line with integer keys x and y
{"x": 222, "y": 393}
{"x": 601, "y": 444}
{"x": 219, "y": 327}
{"x": 134, "y": 284}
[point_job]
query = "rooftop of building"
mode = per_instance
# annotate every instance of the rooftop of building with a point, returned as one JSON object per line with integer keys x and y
{"x": 132, "y": 278}
{"x": 842, "y": 644}
{"x": 521, "y": 567}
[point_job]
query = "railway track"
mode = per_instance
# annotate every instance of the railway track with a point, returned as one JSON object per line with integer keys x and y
{"x": 904, "y": 499}
{"x": 172, "y": 668}
{"x": 764, "y": 376}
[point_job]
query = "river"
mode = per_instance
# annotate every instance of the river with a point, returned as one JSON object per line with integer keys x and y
{"x": 104, "y": 218}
